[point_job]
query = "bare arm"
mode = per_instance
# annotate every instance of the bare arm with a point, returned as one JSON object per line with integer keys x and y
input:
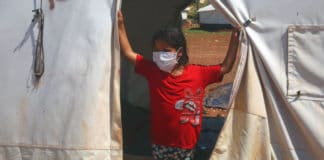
{"x": 126, "y": 48}
{"x": 229, "y": 60}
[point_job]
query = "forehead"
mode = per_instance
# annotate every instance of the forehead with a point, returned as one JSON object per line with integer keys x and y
{"x": 162, "y": 45}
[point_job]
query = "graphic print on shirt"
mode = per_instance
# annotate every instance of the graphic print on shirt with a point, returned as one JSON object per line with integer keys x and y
{"x": 190, "y": 107}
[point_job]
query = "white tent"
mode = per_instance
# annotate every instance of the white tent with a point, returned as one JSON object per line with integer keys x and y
{"x": 72, "y": 111}
{"x": 209, "y": 15}
{"x": 184, "y": 13}
{"x": 279, "y": 109}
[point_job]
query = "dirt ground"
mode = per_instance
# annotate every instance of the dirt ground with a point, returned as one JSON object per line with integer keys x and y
{"x": 209, "y": 48}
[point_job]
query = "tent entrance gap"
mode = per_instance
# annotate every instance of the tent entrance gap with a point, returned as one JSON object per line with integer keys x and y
{"x": 142, "y": 19}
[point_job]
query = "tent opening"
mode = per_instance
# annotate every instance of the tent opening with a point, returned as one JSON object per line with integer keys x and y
{"x": 142, "y": 19}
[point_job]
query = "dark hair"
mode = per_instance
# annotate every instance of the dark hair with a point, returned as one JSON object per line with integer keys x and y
{"x": 174, "y": 37}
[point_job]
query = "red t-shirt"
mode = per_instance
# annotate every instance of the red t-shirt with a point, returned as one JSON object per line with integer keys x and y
{"x": 176, "y": 101}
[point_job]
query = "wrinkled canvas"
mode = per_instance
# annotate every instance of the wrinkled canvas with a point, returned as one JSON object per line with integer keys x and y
{"x": 73, "y": 110}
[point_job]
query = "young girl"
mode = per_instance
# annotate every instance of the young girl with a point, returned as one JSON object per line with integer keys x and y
{"x": 176, "y": 89}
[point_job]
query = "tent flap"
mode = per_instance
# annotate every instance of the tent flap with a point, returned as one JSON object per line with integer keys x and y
{"x": 281, "y": 86}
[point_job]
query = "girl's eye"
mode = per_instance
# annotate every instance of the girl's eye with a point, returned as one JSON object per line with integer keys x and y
{"x": 167, "y": 50}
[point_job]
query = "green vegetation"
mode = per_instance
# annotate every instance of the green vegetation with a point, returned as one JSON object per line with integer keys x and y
{"x": 193, "y": 14}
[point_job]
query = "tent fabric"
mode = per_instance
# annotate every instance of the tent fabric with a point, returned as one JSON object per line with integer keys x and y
{"x": 73, "y": 110}
{"x": 209, "y": 15}
{"x": 278, "y": 90}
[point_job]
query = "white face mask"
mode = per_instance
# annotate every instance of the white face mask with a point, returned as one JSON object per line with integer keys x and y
{"x": 166, "y": 61}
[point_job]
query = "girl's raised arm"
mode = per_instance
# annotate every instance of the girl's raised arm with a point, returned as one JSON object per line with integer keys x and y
{"x": 229, "y": 60}
{"x": 126, "y": 48}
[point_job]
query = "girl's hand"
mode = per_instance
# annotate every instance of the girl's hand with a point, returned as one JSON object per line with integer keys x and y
{"x": 120, "y": 20}
{"x": 236, "y": 31}
{"x": 121, "y": 25}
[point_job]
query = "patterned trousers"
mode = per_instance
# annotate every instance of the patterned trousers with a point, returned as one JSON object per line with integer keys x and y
{"x": 171, "y": 153}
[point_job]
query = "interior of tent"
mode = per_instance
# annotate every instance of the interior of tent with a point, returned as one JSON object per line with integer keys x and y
{"x": 134, "y": 93}
{"x": 65, "y": 92}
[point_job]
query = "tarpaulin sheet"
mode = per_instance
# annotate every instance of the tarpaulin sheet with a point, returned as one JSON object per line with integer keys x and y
{"x": 278, "y": 92}
{"x": 73, "y": 110}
